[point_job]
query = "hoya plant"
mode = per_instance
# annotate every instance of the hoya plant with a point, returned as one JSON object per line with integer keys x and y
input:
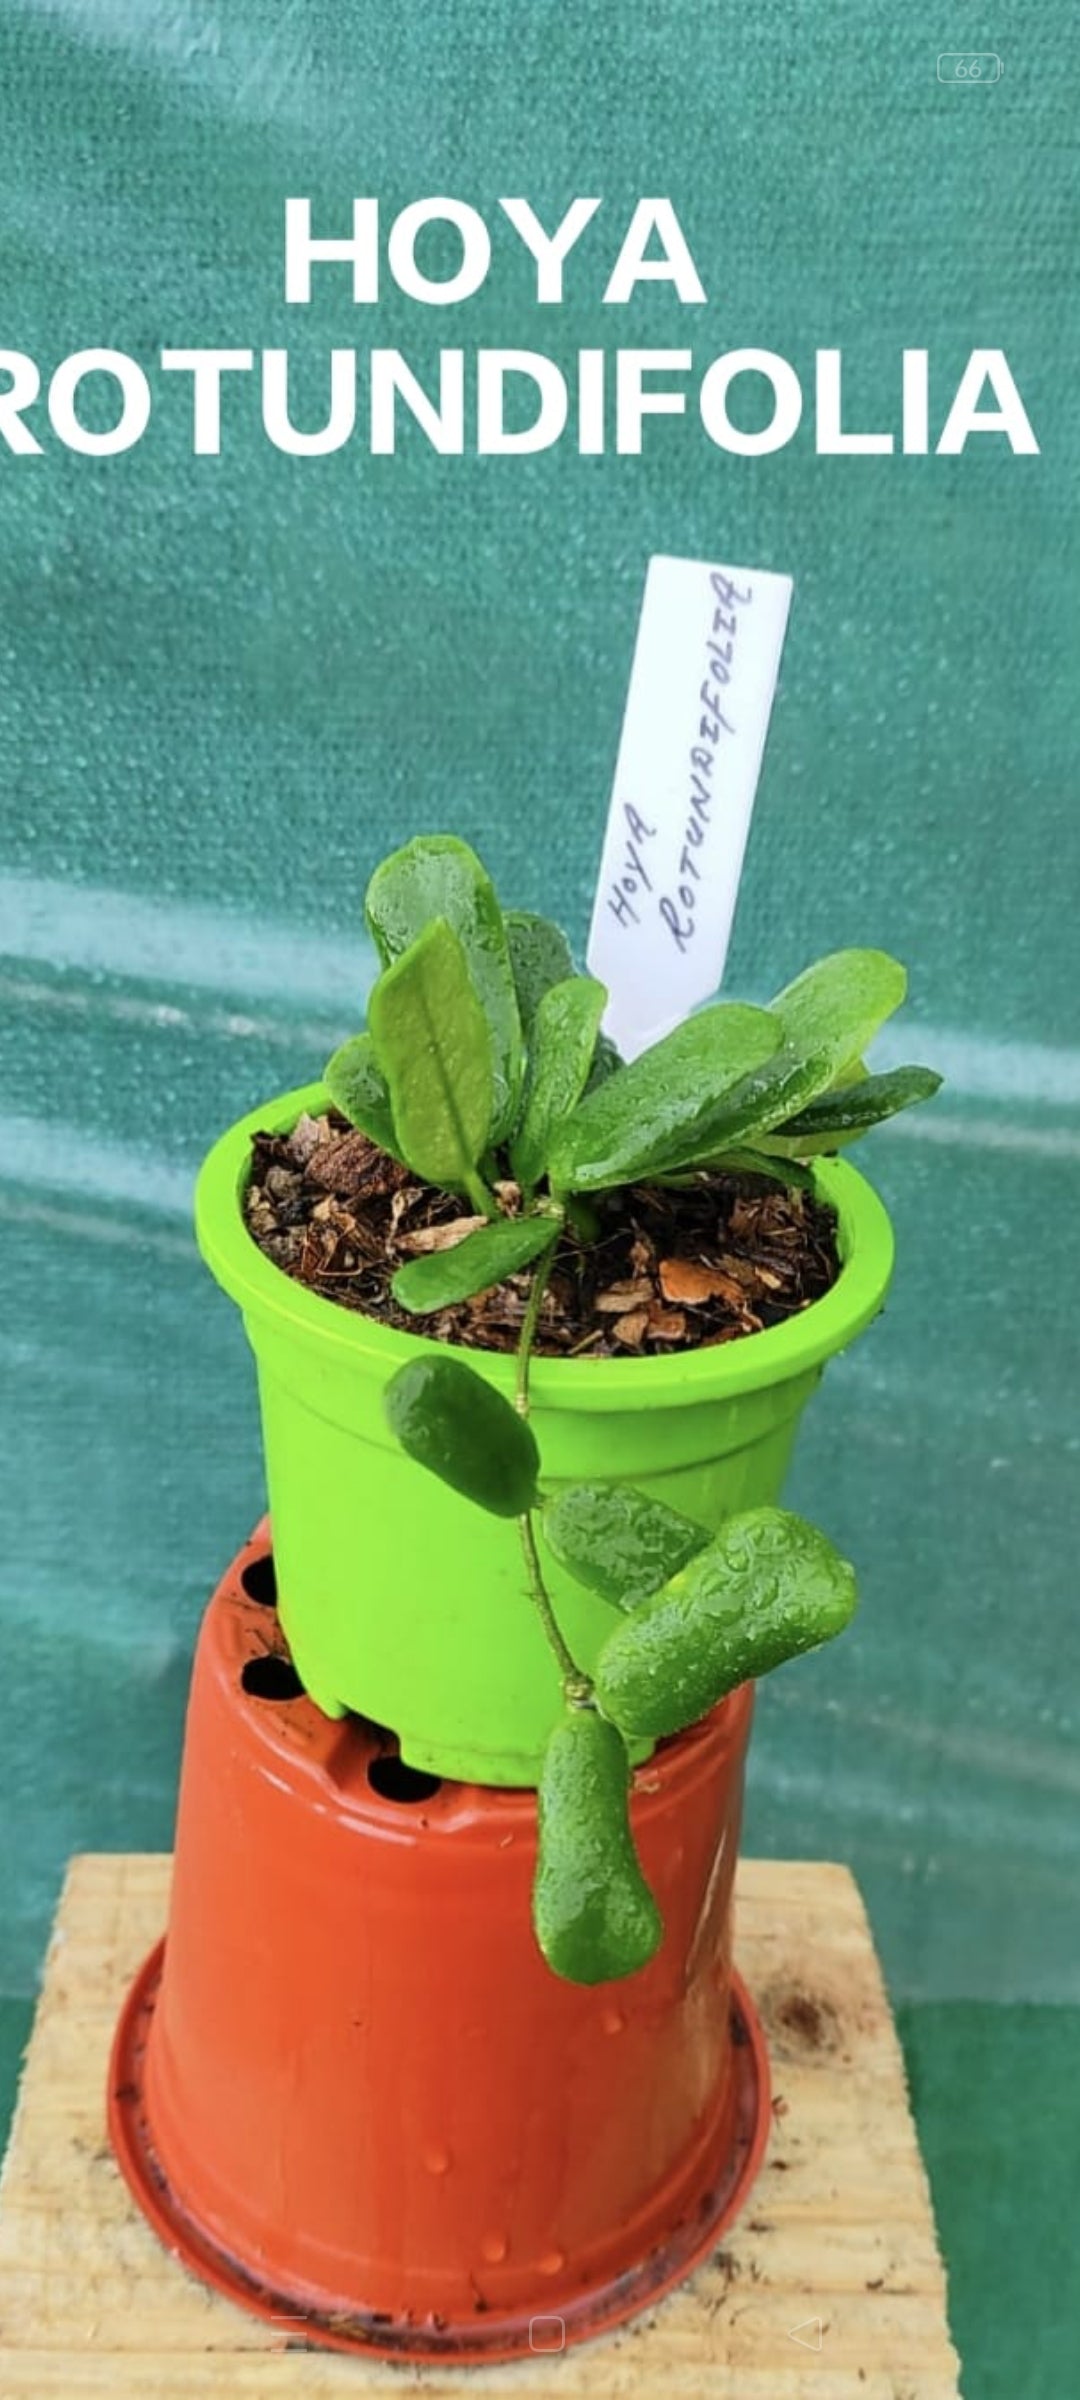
{"x": 484, "y": 1069}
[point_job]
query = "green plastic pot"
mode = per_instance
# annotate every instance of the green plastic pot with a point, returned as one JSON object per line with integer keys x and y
{"x": 404, "y": 1602}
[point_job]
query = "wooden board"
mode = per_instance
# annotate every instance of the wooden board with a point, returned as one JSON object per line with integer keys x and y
{"x": 836, "y": 2246}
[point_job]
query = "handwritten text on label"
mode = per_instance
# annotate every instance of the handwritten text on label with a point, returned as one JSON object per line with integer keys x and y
{"x": 701, "y": 688}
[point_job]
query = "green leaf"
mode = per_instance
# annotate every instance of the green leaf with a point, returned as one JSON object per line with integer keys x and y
{"x": 483, "y": 1258}
{"x": 605, "y": 1060}
{"x": 827, "y": 1017}
{"x": 779, "y": 1169}
{"x": 846, "y": 1111}
{"x": 358, "y": 1087}
{"x": 539, "y": 957}
{"x": 432, "y": 1042}
{"x": 458, "y": 1426}
{"x": 561, "y": 1045}
{"x": 657, "y": 1114}
{"x": 617, "y": 1541}
{"x": 438, "y": 876}
{"x": 768, "y": 1586}
{"x": 840, "y": 1003}
{"x": 594, "y": 1916}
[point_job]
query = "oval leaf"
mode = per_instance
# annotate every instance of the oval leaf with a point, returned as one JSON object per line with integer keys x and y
{"x": 827, "y": 1017}
{"x": 658, "y": 1113}
{"x": 358, "y": 1088}
{"x": 617, "y": 1541}
{"x": 768, "y": 1586}
{"x": 484, "y": 1258}
{"x": 593, "y": 1914}
{"x": 438, "y": 876}
{"x": 843, "y": 1114}
{"x": 459, "y": 1427}
{"x": 539, "y": 957}
{"x": 432, "y": 1042}
{"x": 841, "y": 1002}
{"x": 561, "y": 1046}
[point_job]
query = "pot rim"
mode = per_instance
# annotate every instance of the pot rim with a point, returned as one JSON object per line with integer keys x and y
{"x": 775, "y": 1355}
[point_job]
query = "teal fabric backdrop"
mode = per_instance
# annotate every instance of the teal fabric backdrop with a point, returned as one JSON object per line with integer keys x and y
{"x": 227, "y": 685}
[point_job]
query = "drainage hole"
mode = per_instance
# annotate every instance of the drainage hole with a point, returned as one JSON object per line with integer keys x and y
{"x": 271, "y": 1677}
{"x": 393, "y": 1780}
{"x": 259, "y": 1580}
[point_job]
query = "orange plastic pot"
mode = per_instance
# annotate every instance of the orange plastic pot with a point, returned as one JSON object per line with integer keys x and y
{"x": 347, "y": 2089}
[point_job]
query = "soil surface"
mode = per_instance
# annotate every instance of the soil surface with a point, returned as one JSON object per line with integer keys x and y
{"x": 668, "y": 1270}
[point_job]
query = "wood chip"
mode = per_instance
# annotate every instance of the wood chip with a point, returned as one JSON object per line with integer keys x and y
{"x": 345, "y": 1164}
{"x": 307, "y": 1136}
{"x": 667, "y": 1324}
{"x": 690, "y": 1284}
{"x": 621, "y": 1296}
{"x": 632, "y": 1329}
{"x": 440, "y": 1237}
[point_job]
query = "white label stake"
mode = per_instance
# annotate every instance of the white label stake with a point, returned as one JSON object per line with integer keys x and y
{"x": 701, "y": 691}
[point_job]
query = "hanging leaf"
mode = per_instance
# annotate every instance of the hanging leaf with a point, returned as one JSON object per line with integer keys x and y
{"x": 458, "y": 1426}
{"x": 484, "y": 1258}
{"x": 617, "y": 1541}
{"x": 561, "y": 1045}
{"x": 846, "y": 1112}
{"x": 432, "y": 1042}
{"x": 768, "y": 1586}
{"x": 357, "y": 1086}
{"x": 539, "y": 956}
{"x": 658, "y": 1113}
{"x": 438, "y": 876}
{"x": 594, "y": 1916}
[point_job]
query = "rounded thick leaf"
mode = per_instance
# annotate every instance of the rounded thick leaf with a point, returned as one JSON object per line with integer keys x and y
{"x": 358, "y": 1087}
{"x": 562, "y": 1041}
{"x": 846, "y": 1112}
{"x": 658, "y": 1113}
{"x": 433, "y": 1046}
{"x": 826, "y": 1017}
{"x": 617, "y": 1541}
{"x": 768, "y": 1586}
{"x": 460, "y": 1428}
{"x": 438, "y": 876}
{"x": 539, "y": 956}
{"x": 594, "y": 1916}
{"x": 840, "y": 1002}
{"x": 483, "y": 1258}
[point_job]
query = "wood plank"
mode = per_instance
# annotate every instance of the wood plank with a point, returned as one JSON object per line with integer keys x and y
{"x": 838, "y": 2229}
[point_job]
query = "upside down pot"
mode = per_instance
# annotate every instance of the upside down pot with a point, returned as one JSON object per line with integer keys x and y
{"x": 349, "y": 2092}
{"x": 399, "y": 1598}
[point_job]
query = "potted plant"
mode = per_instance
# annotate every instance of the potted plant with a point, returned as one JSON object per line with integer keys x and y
{"x": 523, "y": 1495}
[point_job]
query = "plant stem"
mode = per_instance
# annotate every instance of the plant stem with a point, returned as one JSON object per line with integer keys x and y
{"x": 530, "y": 1321}
{"x": 576, "y": 1686}
{"x": 577, "y": 1689}
{"x": 484, "y": 1202}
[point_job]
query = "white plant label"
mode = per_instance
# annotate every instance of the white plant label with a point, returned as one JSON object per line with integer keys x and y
{"x": 706, "y": 661}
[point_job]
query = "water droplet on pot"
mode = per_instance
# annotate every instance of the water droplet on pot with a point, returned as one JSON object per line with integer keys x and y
{"x": 613, "y": 2020}
{"x": 553, "y": 2262}
{"x": 493, "y": 2248}
{"x": 436, "y": 2158}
